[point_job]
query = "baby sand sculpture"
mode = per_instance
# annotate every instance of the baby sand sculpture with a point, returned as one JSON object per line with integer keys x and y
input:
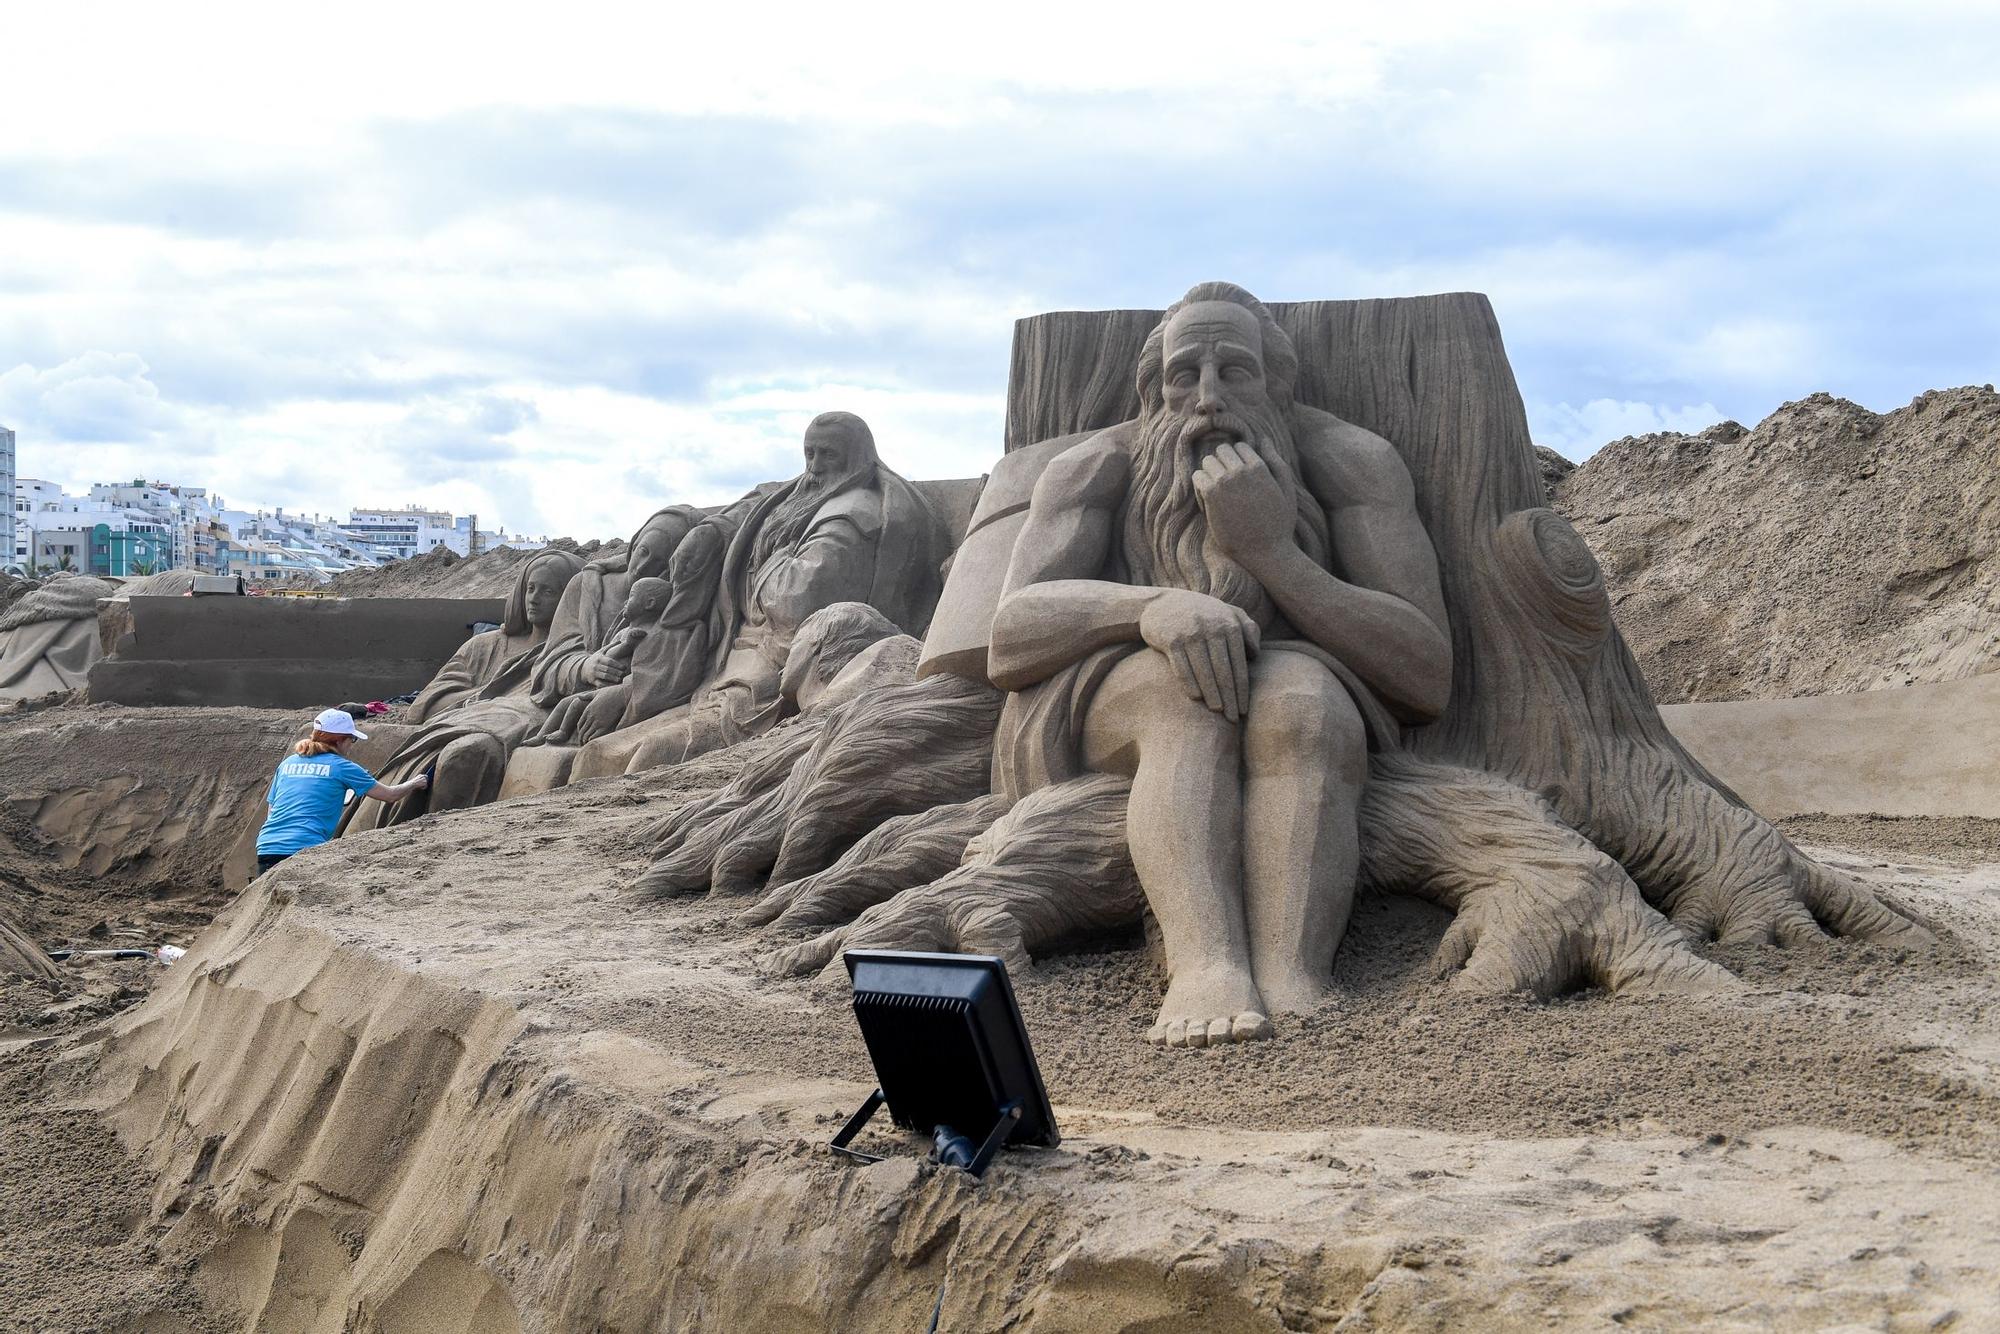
{"x": 646, "y": 603}
{"x": 477, "y": 706}
{"x": 1263, "y": 605}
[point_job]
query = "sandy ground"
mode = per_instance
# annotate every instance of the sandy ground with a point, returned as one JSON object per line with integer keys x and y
{"x": 114, "y": 830}
{"x": 80, "y": 1251}
{"x": 1824, "y": 1148}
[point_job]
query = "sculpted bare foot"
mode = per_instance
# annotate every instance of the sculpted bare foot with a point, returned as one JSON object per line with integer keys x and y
{"x": 1292, "y": 989}
{"x": 1209, "y": 1006}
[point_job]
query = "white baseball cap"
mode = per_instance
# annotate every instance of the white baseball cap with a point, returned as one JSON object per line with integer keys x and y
{"x": 339, "y": 722}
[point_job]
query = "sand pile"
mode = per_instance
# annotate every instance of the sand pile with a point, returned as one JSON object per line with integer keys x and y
{"x": 1830, "y": 550}
{"x": 127, "y": 826}
{"x": 441, "y": 573}
{"x": 117, "y": 830}
{"x": 451, "y": 1070}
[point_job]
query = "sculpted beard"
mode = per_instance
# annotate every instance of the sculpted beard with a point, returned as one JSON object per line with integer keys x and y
{"x": 789, "y": 519}
{"x": 1165, "y": 538}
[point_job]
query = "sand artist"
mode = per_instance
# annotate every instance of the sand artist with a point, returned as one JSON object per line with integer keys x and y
{"x": 311, "y": 788}
{"x": 477, "y": 708}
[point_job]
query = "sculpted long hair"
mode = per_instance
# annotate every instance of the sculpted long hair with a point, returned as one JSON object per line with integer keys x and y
{"x": 790, "y": 517}
{"x": 514, "y": 622}
{"x": 1164, "y": 534}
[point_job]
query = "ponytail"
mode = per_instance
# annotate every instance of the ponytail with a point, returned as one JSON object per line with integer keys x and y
{"x": 320, "y": 743}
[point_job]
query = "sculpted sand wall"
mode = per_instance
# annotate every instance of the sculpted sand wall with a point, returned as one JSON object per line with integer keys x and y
{"x": 1921, "y": 750}
{"x": 282, "y": 653}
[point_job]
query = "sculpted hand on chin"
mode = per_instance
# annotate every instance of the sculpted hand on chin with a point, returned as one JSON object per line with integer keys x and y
{"x": 1209, "y": 644}
{"x": 1248, "y": 512}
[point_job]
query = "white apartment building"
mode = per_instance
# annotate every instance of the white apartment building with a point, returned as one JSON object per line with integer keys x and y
{"x": 7, "y": 489}
{"x": 88, "y": 534}
{"x": 409, "y": 530}
{"x": 187, "y": 513}
{"x": 412, "y": 530}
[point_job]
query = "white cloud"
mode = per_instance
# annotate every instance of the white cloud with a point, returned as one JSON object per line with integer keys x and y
{"x": 97, "y": 397}
{"x": 561, "y": 272}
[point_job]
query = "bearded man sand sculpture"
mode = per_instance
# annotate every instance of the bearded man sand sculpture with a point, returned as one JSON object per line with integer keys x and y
{"x": 847, "y": 529}
{"x": 1226, "y": 600}
{"x": 1575, "y": 842}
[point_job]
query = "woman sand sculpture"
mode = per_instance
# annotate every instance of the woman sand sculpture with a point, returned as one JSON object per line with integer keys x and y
{"x": 477, "y": 702}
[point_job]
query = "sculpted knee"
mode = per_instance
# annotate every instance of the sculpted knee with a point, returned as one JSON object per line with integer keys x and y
{"x": 472, "y": 752}
{"x": 1296, "y": 723}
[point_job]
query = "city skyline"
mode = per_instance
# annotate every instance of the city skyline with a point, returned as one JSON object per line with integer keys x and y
{"x": 523, "y": 274}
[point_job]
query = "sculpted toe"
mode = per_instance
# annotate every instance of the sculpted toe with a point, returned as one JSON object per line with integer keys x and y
{"x": 1250, "y": 1027}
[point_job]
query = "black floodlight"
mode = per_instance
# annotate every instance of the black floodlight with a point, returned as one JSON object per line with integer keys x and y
{"x": 951, "y": 1053}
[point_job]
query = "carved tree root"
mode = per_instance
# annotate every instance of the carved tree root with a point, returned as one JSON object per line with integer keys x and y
{"x": 1539, "y": 907}
{"x": 895, "y": 855}
{"x": 762, "y": 774}
{"x": 1052, "y": 868}
{"x": 19, "y": 954}
{"x": 895, "y": 751}
{"x": 1720, "y": 870}
{"x": 735, "y": 827}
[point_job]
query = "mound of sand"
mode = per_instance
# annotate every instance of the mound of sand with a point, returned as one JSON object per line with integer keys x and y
{"x": 167, "y": 583}
{"x": 1830, "y": 550}
{"x": 127, "y": 826}
{"x": 448, "y": 1075}
{"x": 441, "y": 573}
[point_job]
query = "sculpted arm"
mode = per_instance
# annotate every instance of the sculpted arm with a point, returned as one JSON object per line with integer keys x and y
{"x": 1386, "y": 620}
{"x": 1057, "y": 610}
{"x": 835, "y": 563}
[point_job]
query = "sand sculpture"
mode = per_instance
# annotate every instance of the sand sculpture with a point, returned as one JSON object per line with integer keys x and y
{"x": 48, "y": 636}
{"x": 477, "y": 706}
{"x": 847, "y": 529}
{"x": 1326, "y": 667}
{"x": 646, "y": 603}
{"x": 531, "y": 607}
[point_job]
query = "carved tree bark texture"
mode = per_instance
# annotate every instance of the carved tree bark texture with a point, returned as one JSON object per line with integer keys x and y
{"x": 1549, "y": 809}
{"x": 18, "y": 954}
{"x": 1544, "y": 690}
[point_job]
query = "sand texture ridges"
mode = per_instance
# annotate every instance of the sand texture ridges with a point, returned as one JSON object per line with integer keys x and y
{"x": 1829, "y": 550}
{"x": 455, "y": 1057}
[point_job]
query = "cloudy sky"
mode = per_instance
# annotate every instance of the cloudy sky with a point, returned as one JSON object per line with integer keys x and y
{"x": 563, "y": 263}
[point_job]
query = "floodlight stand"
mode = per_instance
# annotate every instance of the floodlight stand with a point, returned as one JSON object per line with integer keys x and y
{"x": 861, "y": 1117}
{"x": 1010, "y": 1116}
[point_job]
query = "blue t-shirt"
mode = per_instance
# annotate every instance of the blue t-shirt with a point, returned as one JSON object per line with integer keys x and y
{"x": 306, "y": 797}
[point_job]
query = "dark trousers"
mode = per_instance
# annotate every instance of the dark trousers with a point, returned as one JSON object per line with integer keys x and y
{"x": 266, "y": 863}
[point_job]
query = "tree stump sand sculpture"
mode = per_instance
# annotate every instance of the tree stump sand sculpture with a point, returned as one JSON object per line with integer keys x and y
{"x": 1547, "y": 807}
